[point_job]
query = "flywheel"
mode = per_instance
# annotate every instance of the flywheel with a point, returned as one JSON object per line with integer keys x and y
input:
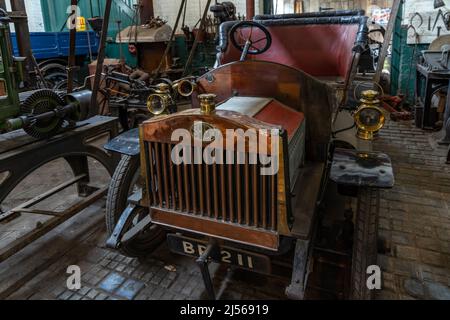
{"x": 38, "y": 102}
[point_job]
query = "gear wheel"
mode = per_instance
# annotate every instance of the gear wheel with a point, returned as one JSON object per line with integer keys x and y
{"x": 38, "y": 102}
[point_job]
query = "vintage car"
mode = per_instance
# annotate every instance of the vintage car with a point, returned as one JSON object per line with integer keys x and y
{"x": 273, "y": 77}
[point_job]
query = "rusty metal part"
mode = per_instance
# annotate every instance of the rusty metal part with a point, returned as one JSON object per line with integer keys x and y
{"x": 172, "y": 37}
{"x": 197, "y": 38}
{"x": 100, "y": 58}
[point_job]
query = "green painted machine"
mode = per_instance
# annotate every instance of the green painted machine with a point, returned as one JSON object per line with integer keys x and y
{"x": 41, "y": 113}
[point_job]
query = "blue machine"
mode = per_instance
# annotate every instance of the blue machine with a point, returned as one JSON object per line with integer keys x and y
{"x": 51, "y": 50}
{"x": 55, "y": 45}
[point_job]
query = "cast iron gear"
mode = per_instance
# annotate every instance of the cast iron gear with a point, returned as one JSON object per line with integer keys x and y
{"x": 38, "y": 102}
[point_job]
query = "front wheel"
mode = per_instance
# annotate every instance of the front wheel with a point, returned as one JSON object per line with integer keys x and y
{"x": 364, "y": 241}
{"x": 125, "y": 181}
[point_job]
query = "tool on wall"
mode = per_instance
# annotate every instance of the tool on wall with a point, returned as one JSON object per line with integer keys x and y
{"x": 440, "y": 15}
{"x": 438, "y": 4}
{"x": 412, "y": 19}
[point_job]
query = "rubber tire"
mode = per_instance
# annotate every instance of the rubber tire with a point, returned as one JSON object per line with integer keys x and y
{"x": 364, "y": 241}
{"x": 116, "y": 203}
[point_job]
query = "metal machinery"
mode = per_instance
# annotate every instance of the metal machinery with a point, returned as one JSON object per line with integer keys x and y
{"x": 41, "y": 113}
{"x": 233, "y": 213}
{"x": 21, "y": 155}
{"x": 225, "y": 11}
{"x": 131, "y": 98}
{"x": 432, "y": 81}
{"x": 435, "y": 70}
{"x": 148, "y": 42}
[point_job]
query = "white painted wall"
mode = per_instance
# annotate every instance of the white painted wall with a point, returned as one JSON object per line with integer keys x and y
{"x": 426, "y": 10}
{"x": 34, "y": 12}
{"x": 168, "y": 9}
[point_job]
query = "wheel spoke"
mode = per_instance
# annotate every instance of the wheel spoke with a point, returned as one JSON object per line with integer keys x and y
{"x": 265, "y": 38}
{"x": 241, "y": 34}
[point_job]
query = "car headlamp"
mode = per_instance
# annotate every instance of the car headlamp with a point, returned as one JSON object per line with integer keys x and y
{"x": 369, "y": 118}
{"x": 160, "y": 101}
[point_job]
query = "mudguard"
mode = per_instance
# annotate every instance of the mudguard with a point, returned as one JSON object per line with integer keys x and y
{"x": 127, "y": 143}
{"x": 362, "y": 169}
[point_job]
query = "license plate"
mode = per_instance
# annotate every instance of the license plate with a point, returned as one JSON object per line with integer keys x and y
{"x": 236, "y": 257}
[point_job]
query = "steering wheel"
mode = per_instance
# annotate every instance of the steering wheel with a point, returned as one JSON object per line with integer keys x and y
{"x": 243, "y": 37}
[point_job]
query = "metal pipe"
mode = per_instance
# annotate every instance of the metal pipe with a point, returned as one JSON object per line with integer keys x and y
{"x": 100, "y": 58}
{"x": 250, "y": 9}
{"x": 23, "y": 40}
{"x": 73, "y": 40}
{"x": 23, "y": 121}
{"x": 197, "y": 38}
{"x": 172, "y": 36}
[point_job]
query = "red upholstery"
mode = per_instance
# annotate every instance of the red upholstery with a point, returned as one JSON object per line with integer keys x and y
{"x": 278, "y": 114}
{"x": 321, "y": 50}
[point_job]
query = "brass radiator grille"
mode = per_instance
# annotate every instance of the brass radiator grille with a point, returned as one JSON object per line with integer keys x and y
{"x": 235, "y": 194}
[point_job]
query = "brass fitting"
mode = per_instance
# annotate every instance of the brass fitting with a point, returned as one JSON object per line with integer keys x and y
{"x": 207, "y": 103}
{"x": 185, "y": 87}
{"x": 162, "y": 88}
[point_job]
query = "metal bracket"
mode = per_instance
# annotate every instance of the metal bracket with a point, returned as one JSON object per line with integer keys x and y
{"x": 126, "y": 143}
{"x": 119, "y": 235}
{"x": 296, "y": 290}
{"x": 203, "y": 262}
{"x": 114, "y": 241}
